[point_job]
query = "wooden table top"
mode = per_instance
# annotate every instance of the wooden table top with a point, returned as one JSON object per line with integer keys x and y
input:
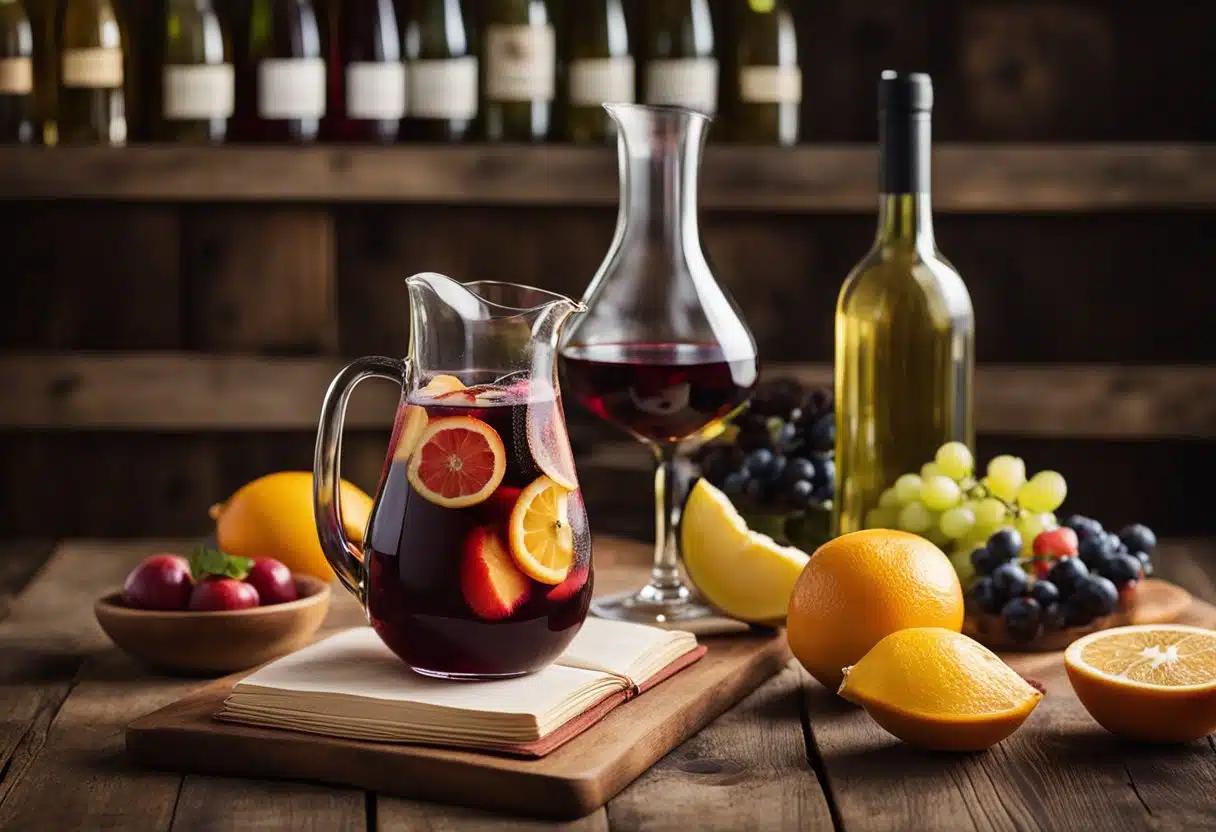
{"x": 789, "y": 756}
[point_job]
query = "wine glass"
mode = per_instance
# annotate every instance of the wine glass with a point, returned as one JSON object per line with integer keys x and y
{"x": 662, "y": 351}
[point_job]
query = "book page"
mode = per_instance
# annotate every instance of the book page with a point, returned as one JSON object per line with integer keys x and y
{"x": 624, "y": 649}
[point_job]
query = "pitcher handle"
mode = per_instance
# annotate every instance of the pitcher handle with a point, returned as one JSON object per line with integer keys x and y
{"x": 345, "y": 559}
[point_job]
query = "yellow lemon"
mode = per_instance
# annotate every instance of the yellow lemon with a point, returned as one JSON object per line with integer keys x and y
{"x": 745, "y": 574}
{"x": 272, "y": 517}
{"x": 938, "y": 689}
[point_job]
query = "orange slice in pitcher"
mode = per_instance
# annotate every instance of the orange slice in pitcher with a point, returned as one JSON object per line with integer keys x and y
{"x": 541, "y": 537}
{"x": 550, "y": 443}
{"x": 459, "y": 462}
{"x": 412, "y": 424}
{"x": 441, "y": 384}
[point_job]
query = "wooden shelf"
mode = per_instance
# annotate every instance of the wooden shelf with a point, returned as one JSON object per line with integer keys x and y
{"x": 810, "y": 178}
{"x": 199, "y": 392}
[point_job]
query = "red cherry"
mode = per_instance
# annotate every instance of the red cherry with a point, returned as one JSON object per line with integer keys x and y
{"x": 1059, "y": 542}
{"x": 161, "y": 582}
{"x": 273, "y": 581}
{"x": 223, "y": 594}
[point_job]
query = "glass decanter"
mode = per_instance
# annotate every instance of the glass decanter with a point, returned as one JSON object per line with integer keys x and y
{"x": 662, "y": 350}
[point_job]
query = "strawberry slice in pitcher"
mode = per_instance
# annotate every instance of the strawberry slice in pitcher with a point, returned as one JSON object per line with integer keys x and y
{"x": 459, "y": 462}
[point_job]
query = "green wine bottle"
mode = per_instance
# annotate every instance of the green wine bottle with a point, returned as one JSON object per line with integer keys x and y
{"x": 767, "y": 91}
{"x": 441, "y": 67}
{"x": 196, "y": 75}
{"x": 520, "y": 70}
{"x": 681, "y": 61}
{"x": 16, "y": 75}
{"x": 600, "y": 70}
{"x": 92, "y": 104}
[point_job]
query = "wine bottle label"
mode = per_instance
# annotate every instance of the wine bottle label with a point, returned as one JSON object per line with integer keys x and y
{"x": 443, "y": 89}
{"x": 770, "y": 84}
{"x": 198, "y": 91}
{"x": 97, "y": 67}
{"x": 375, "y": 90}
{"x": 595, "y": 81}
{"x": 16, "y": 76}
{"x": 686, "y": 82}
{"x": 291, "y": 88}
{"x": 522, "y": 63}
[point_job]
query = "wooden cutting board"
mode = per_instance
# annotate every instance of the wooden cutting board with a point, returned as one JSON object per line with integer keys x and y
{"x": 569, "y": 783}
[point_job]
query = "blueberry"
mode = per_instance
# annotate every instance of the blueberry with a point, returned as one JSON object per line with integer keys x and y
{"x": 799, "y": 469}
{"x": 1095, "y": 549}
{"x": 984, "y": 561}
{"x": 1005, "y": 544}
{"x": 1073, "y": 613}
{"x": 1121, "y": 568}
{"x": 825, "y": 473}
{"x": 1138, "y": 538}
{"x": 786, "y": 433}
{"x": 734, "y": 483}
{"x": 1053, "y": 617}
{"x": 1067, "y": 573}
{"x": 800, "y": 493}
{"x": 1045, "y": 592}
{"x": 775, "y": 470}
{"x": 1083, "y": 526}
{"x": 1009, "y": 579}
{"x": 985, "y": 597}
{"x": 1115, "y": 543}
{"x": 1023, "y": 619}
{"x": 758, "y": 462}
{"x": 1146, "y": 562}
{"x": 1096, "y": 595}
{"x": 822, "y": 434}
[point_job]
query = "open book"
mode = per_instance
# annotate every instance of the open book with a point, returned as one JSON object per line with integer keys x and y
{"x": 350, "y": 685}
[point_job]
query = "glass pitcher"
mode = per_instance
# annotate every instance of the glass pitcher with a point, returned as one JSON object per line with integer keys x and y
{"x": 476, "y": 561}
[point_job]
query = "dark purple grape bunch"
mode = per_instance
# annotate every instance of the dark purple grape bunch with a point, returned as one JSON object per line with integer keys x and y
{"x": 1069, "y": 591}
{"x": 778, "y": 456}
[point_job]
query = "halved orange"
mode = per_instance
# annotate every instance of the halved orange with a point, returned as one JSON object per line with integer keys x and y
{"x": 459, "y": 462}
{"x": 541, "y": 537}
{"x": 440, "y": 384}
{"x": 1148, "y": 682}
{"x": 409, "y": 430}
{"x": 549, "y": 442}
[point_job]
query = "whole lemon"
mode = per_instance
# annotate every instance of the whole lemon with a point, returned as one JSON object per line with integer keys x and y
{"x": 272, "y": 517}
{"x": 860, "y": 588}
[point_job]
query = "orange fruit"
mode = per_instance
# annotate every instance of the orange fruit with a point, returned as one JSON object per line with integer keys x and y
{"x": 459, "y": 462}
{"x": 938, "y": 689}
{"x": 440, "y": 384}
{"x": 549, "y": 442}
{"x": 541, "y": 537}
{"x": 272, "y": 517}
{"x": 1148, "y": 682}
{"x": 863, "y": 586}
{"x": 413, "y": 423}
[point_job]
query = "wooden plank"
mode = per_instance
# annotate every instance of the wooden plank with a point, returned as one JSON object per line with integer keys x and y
{"x": 184, "y": 391}
{"x": 393, "y": 813}
{"x": 209, "y": 804}
{"x": 19, "y": 560}
{"x": 990, "y": 178}
{"x": 746, "y": 770}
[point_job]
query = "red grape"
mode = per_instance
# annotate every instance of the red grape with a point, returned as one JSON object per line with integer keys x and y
{"x": 223, "y": 594}
{"x": 161, "y": 582}
{"x": 273, "y": 581}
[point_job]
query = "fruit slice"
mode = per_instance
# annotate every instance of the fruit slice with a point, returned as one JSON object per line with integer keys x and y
{"x": 481, "y": 394}
{"x": 938, "y": 689}
{"x": 440, "y": 384}
{"x": 550, "y": 443}
{"x": 542, "y": 539}
{"x": 459, "y": 462}
{"x": 492, "y": 585}
{"x": 743, "y": 573}
{"x": 413, "y": 423}
{"x": 1148, "y": 682}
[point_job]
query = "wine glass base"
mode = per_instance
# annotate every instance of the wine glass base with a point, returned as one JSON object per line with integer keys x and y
{"x": 652, "y": 605}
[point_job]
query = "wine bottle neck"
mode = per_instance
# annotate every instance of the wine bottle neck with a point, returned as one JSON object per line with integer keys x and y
{"x": 905, "y": 216}
{"x": 906, "y": 221}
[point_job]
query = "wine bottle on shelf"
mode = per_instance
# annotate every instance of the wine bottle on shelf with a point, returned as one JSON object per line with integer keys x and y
{"x": 767, "y": 89}
{"x": 280, "y": 90}
{"x": 905, "y": 332}
{"x": 91, "y": 99}
{"x": 681, "y": 61}
{"x": 520, "y": 71}
{"x": 600, "y": 69}
{"x": 196, "y": 95}
{"x": 17, "y": 124}
{"x": 441, "y": 71}
{"x": 367, "y": 89}
{"x": 44, "y": 20}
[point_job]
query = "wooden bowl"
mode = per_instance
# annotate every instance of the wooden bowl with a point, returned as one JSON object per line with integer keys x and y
{"x": 215, "y": 643}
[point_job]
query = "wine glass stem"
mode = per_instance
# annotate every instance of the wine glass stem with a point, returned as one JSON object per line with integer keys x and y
{"x": 668, "y": 503}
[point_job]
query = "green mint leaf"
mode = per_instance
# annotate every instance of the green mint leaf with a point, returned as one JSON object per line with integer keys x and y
{"x": 207, "y": 562}
{"x": 237, "y": 567}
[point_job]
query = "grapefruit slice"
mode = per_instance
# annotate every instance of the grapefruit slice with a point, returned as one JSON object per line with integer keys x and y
{"x": 413, "y": 423}
{"x": 549, "y": 442}
{"x": 459, "y": 462}
{"x": 541, "y": 537}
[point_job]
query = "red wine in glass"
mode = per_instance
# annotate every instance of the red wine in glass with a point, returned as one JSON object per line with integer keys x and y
{"x": 658, "y": 392}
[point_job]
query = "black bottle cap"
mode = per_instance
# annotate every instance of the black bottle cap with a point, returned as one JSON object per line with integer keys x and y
{"x": 905, "y": 92}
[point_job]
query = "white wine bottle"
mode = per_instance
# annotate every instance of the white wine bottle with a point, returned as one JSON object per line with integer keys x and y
{"x": 767, "y": 90}
{"x": 520, "y": 71}
{"x": 600, "y": 70}
{"x": 681, "y": 59}
{"x": 16, "y": 75}
{"x": 196, "y": 94}
{"x": 441, "y": 73}
{"x": 905, "y": 331}
{"x": 91, "y": 99}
